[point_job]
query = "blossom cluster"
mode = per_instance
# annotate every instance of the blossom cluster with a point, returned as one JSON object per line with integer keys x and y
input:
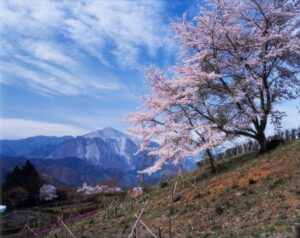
{"x": 88, "y": 189}
{"x": 48, "y": 192}
{"x": 138, "y": 189}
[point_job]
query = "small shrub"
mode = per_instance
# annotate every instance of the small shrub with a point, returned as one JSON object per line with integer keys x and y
{"x": 163, "y": 184}
{"x": 273, "y": 143}
{"x": 279, "y": 222}
{"x": 234, "y": 186}
{"x": 219, "y": 210}
{"x": 198, "y": 196}
{"x": 274, "y": 183}
{"x": 171, "y": 211}
{"x": 251, "y": 181}
{"x": 176, "y": 198}
{"x": 247, "y": 205}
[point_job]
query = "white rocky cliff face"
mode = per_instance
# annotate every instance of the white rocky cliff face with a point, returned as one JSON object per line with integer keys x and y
{"x": 107, "y": 148}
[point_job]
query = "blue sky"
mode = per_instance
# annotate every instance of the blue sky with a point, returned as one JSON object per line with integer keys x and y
{"x": 70, "y": 67}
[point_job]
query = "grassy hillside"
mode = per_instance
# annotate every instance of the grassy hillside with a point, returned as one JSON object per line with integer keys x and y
{"x": 251, "y": 196}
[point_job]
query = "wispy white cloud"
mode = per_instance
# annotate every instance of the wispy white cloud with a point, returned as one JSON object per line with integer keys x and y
{"x": 50, "y": 52}
{"x": 48, "y": 79}
{"x": 121, "y": 26}
{"x": 14, "y": 128}
{"x": 57, "y": 36}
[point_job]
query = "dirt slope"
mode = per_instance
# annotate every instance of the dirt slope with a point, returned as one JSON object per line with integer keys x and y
{"x": 251, "y": 196}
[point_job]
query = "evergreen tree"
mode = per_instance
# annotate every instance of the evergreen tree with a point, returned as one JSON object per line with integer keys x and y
{"x": 22, "y": 185}
{"x": 13, "y": 179}
{"x": 31, "y": 181}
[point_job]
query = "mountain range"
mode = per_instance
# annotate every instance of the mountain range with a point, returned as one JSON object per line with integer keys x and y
{"x": 96, "y": 157}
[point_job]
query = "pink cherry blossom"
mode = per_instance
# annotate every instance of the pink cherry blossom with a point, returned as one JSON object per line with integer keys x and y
{"x": 239, "y": 59}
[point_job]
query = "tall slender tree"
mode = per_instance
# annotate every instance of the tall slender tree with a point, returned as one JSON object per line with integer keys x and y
{"x": 13, "y": 179}
{"x": 31, "y": 181}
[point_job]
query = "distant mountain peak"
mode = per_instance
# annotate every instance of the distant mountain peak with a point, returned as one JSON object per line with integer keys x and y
{"x": 106, "y": 133}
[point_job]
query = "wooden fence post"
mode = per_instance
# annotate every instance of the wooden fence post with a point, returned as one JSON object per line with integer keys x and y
{"x": 81, "y": 232}
{"x": 131, "y": 205}
{"x": 143, "y": 223}
{"x": 107, "y": 213}
{"x": 159, "y": 233}
{"x": 137, "y": 220}
{"x": 287, "y": 135}
{"x": 135, "y": 235}
{"x": 170, "y": 227}
{"x": 173, "y": 191}
{"x": 116, "y": 211}
{"x": 297, "y": 230}
{"x": 293, "y": 134}
{"x": 67, "y": 228}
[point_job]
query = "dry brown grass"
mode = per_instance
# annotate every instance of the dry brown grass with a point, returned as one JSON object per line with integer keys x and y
{"x": 225, "y": 205}
{"x": 222, "y": 205}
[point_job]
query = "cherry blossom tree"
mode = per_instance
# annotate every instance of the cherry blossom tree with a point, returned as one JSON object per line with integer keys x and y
{"x": 138, "y": 189}
{"x": 253, "y": 48}
{"x": 88, "y": 189}
{"x": 48, "y": 192}
{"x": 239, "y": 60}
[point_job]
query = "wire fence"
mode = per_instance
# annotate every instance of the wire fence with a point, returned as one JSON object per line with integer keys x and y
{"x": 252, "y": 146}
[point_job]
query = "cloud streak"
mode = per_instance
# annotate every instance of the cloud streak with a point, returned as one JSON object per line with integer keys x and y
{"x": 13, "y": 128}
{"x": 49, "y": 79}
{"x": 46, "y": 44}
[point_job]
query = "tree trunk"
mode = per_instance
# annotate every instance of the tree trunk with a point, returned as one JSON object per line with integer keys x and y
{"x": 262, "y": 142}
{"x": 211, "y": 161}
